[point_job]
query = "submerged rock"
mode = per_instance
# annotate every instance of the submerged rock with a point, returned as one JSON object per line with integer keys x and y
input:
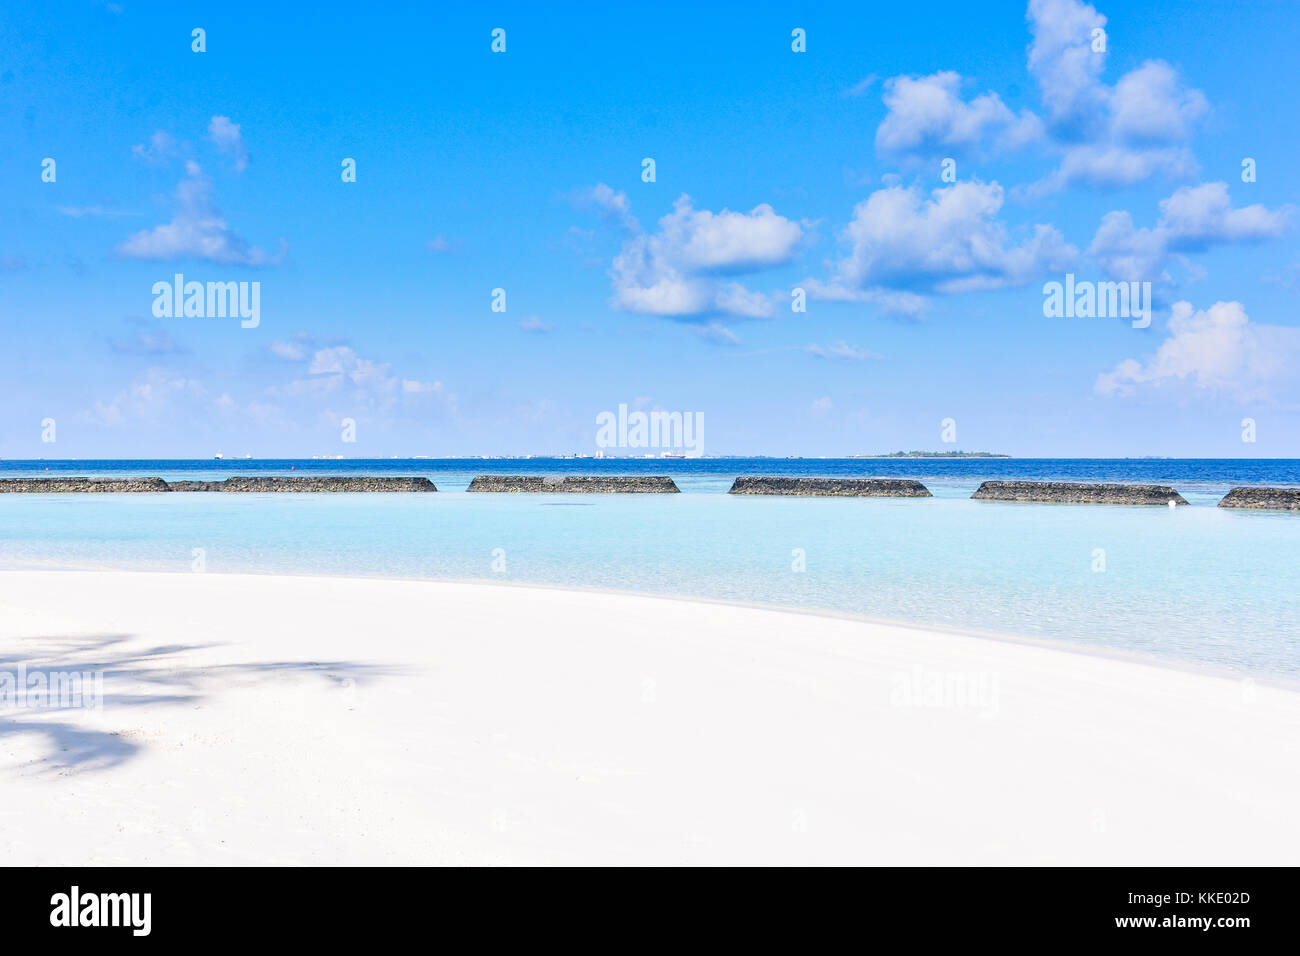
{"x": 198, "y": 486}
{"x": 838, "y": 487}
{"x": 316, "y": 484}
{"x": 82, "y": 485}
{"x": 580, "y": 484}
{"x": 1265, "y": 499}
{"x": 1078, "y": 493}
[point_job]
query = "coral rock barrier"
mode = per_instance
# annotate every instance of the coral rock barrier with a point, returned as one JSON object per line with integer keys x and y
{"x": 317, "y": 484}
{"x": 81, "y": 485}
{"x": 833, "y": 487}
{"x": 575, "y": 484}
{"x": 1078, "y": 493}
{"x": 1264, "y": 499}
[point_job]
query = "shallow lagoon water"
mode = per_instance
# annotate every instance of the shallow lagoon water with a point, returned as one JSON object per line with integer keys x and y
{"x": 1195, "y": 584}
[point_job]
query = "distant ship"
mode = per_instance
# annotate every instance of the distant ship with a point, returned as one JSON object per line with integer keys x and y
{"x": 218, "y": 456}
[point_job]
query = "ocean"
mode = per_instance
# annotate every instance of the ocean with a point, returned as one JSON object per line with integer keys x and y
{"x": 1198, "y": 585}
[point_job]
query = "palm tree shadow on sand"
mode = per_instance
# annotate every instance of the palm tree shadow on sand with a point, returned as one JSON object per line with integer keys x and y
{"x": 133, "y": 678}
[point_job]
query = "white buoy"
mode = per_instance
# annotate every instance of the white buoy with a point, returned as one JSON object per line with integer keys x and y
{"x": 1172, "y": 503}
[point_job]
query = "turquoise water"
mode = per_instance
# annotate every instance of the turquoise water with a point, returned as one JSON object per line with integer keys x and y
{"x": 1197, "y": 584}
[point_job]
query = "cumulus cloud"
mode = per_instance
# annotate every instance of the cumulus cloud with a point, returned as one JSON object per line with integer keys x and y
{"x": 339, "y": 365}
{"x": 196, "y": 231}
{"x": 229, "y": 140}
{"x": 1151, "y": 105}
{"x": 1193, "y": 219}
{"x": 325, "y": 385}
{"x": 1062, "y": 60}
{"x": 1111, "y": 135}
{"x": 926, "y": 115}
{"x": 166, "y": 398}
{"x": 949, "y": 243}
{"x": 339, "y": 373}
{"x": 1105, "y": 136}
{"x": 1218, "y": 351}
{"x": 686, "y": 269}
{"x": 1107, "y": 164}
{"x": 157, "y": 394}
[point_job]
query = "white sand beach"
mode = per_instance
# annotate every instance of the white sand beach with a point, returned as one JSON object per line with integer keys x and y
{"x": 281, "y": 720}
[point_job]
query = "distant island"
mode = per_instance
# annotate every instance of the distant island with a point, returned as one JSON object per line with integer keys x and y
{"x": 936, "y": 454}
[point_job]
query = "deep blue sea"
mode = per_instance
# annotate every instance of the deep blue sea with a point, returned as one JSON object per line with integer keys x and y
{"x": 1199, "y": 585}
{"x": 713, "y": 474}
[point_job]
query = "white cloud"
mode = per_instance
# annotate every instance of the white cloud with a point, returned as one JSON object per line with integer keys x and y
{"x": 197, "y": 231}
{"x": 341, "y": 360}
{"x": 157, "y": 394}
{"x": 1218, "y": 350}
{"x": 531, "y": 323}
{"x": 891, "y": 301}
{"x": 289, "y": 351}
{"x": 927, "y": 115}
{"x": 150, "y": 339}
{"x": 340, "y": 374}
{"x": 164, "y": 398}
{"x": 1204, "y": 214}
{"x": 1111, "y": 136}
{"x": 1191, "y": 220}
{"x": 411, "y": 387}
{"x": 728, "y": 242}
{"x": 615, "y": 206}
{"x": 718, "y": 333}
{"x": 1106, "y": 136}
{"x": 161, "y": 148}
{"x": 680, "y": 271}
{"x": 338, "y": 369}
{"x": 841, "y": 350}
{"x": 339, "y": 383}
{"x": 1150, "y": 104}
{"x": 949, "y": 243}
{"x": 441, "y": 244}
{"x": 822, "y": 405}
{"x": 1105, "y": 165}
{"x": 229, "y": 140}
{"x": 734, "y": 299}
{"x": 81, "y": 212}
{"x": 1063, "y": 62}
{"x": 863, "y": 85}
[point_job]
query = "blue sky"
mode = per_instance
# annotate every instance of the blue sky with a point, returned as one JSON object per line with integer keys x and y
{"x": 775, "y": 170}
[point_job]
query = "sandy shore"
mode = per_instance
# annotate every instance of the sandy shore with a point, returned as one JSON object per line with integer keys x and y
{"x": 298, "y": 720}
